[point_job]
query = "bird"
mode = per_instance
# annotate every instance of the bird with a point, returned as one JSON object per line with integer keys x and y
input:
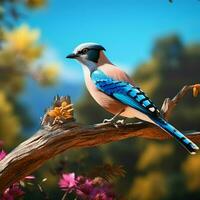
{"x": 116, "y": 92}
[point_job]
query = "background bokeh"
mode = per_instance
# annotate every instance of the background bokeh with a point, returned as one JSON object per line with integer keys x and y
{"x": 156, "y": 42}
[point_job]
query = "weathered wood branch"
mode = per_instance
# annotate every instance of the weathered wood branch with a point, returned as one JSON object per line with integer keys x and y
{"x": 60, "y": 132}
{"x": 170, "y": 104}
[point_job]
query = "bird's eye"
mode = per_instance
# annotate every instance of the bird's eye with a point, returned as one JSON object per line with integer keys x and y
{"x": 84, "y": 51}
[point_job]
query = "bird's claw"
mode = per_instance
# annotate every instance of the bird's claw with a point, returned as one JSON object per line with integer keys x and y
{"x": 107, "y": 120}
{"x": 111, "y": 121}
{"x": 115, "y": 123}
{"x": 121, "y": 122}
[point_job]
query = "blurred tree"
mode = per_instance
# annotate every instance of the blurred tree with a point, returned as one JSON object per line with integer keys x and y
{"x": 10, "y": 10}
{"x": 191, "y": 170}
{"x": 9, "y": 121}
{"x": 172, "y": 66}
{"x": 154, "y": 155}
{"x": 168, "y": 52}
{"x": 20, "y": 57}
{"x": 151, "y": 186}
{"x": 35, "y": 3}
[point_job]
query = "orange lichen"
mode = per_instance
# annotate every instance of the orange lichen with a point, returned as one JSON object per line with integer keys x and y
{"x": 61, "y": 112}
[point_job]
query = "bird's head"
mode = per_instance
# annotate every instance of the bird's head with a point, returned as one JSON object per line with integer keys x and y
{"x": 87, "y": 53}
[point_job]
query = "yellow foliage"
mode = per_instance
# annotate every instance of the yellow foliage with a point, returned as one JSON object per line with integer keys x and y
{"x": 147, "y": 69}
{"x": 16, "y": 84}
{"x": 23, "y": 40}
{"x": 2, "y": 34}
{"x": 48, "y": 74}
{"x": 146, "y": 72}
{"x": 35, "y": 3}
{"x": 22, "y": 37}
{"x": 151, "y": 186}
{"x": 4, "y": 105}
{"x": 34, "y": 52}
{"x": 154, "y": 154}
{"x": 191, "y": 169}
{"x": 17, "y": 58}
{"x": 150, "y": 85}
{"x": 12, "y": 73}
{"x": 9, "y": 123}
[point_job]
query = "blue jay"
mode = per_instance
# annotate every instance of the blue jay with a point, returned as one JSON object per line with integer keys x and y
{"x": 116, "y": 92}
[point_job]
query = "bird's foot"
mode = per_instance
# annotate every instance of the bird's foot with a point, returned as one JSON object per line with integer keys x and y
{"x": 121, "y": 122}
{"x": 117, "y": 123}
{"x": 110, "y": 121}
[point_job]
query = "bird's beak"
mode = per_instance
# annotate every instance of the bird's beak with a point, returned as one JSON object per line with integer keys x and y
{"x": 72, "y": 56}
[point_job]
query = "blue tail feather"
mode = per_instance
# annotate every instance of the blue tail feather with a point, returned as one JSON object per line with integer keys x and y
{"x": 182, "y": 139}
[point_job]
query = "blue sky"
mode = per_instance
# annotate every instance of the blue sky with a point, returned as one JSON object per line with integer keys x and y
{"x": 126, "y": 28}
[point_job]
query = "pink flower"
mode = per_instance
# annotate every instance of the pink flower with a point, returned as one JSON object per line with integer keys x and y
{"x": 84, "y": 188}
{"x": 12, "y": 192}
{"x": 102, "y": 193}
{"x": 30, "y": 178}
{"x": 67, "y": 182}
{"x": 98, "y": 194}
{"x": 2, "y": 154}
{"x": 87, "y": 188}
{"x": 94, "y": 189}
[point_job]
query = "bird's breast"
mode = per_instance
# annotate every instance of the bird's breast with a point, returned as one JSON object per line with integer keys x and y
{"x": 108, "y": 103}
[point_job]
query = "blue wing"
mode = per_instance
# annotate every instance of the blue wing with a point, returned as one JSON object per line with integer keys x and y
{"x": 125, "y": 93}
{"x": 135, "y": 98}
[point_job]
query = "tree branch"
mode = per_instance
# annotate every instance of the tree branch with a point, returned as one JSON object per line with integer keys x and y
{"x": 60, "y": 132}
{"x": 170, "y": 104}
